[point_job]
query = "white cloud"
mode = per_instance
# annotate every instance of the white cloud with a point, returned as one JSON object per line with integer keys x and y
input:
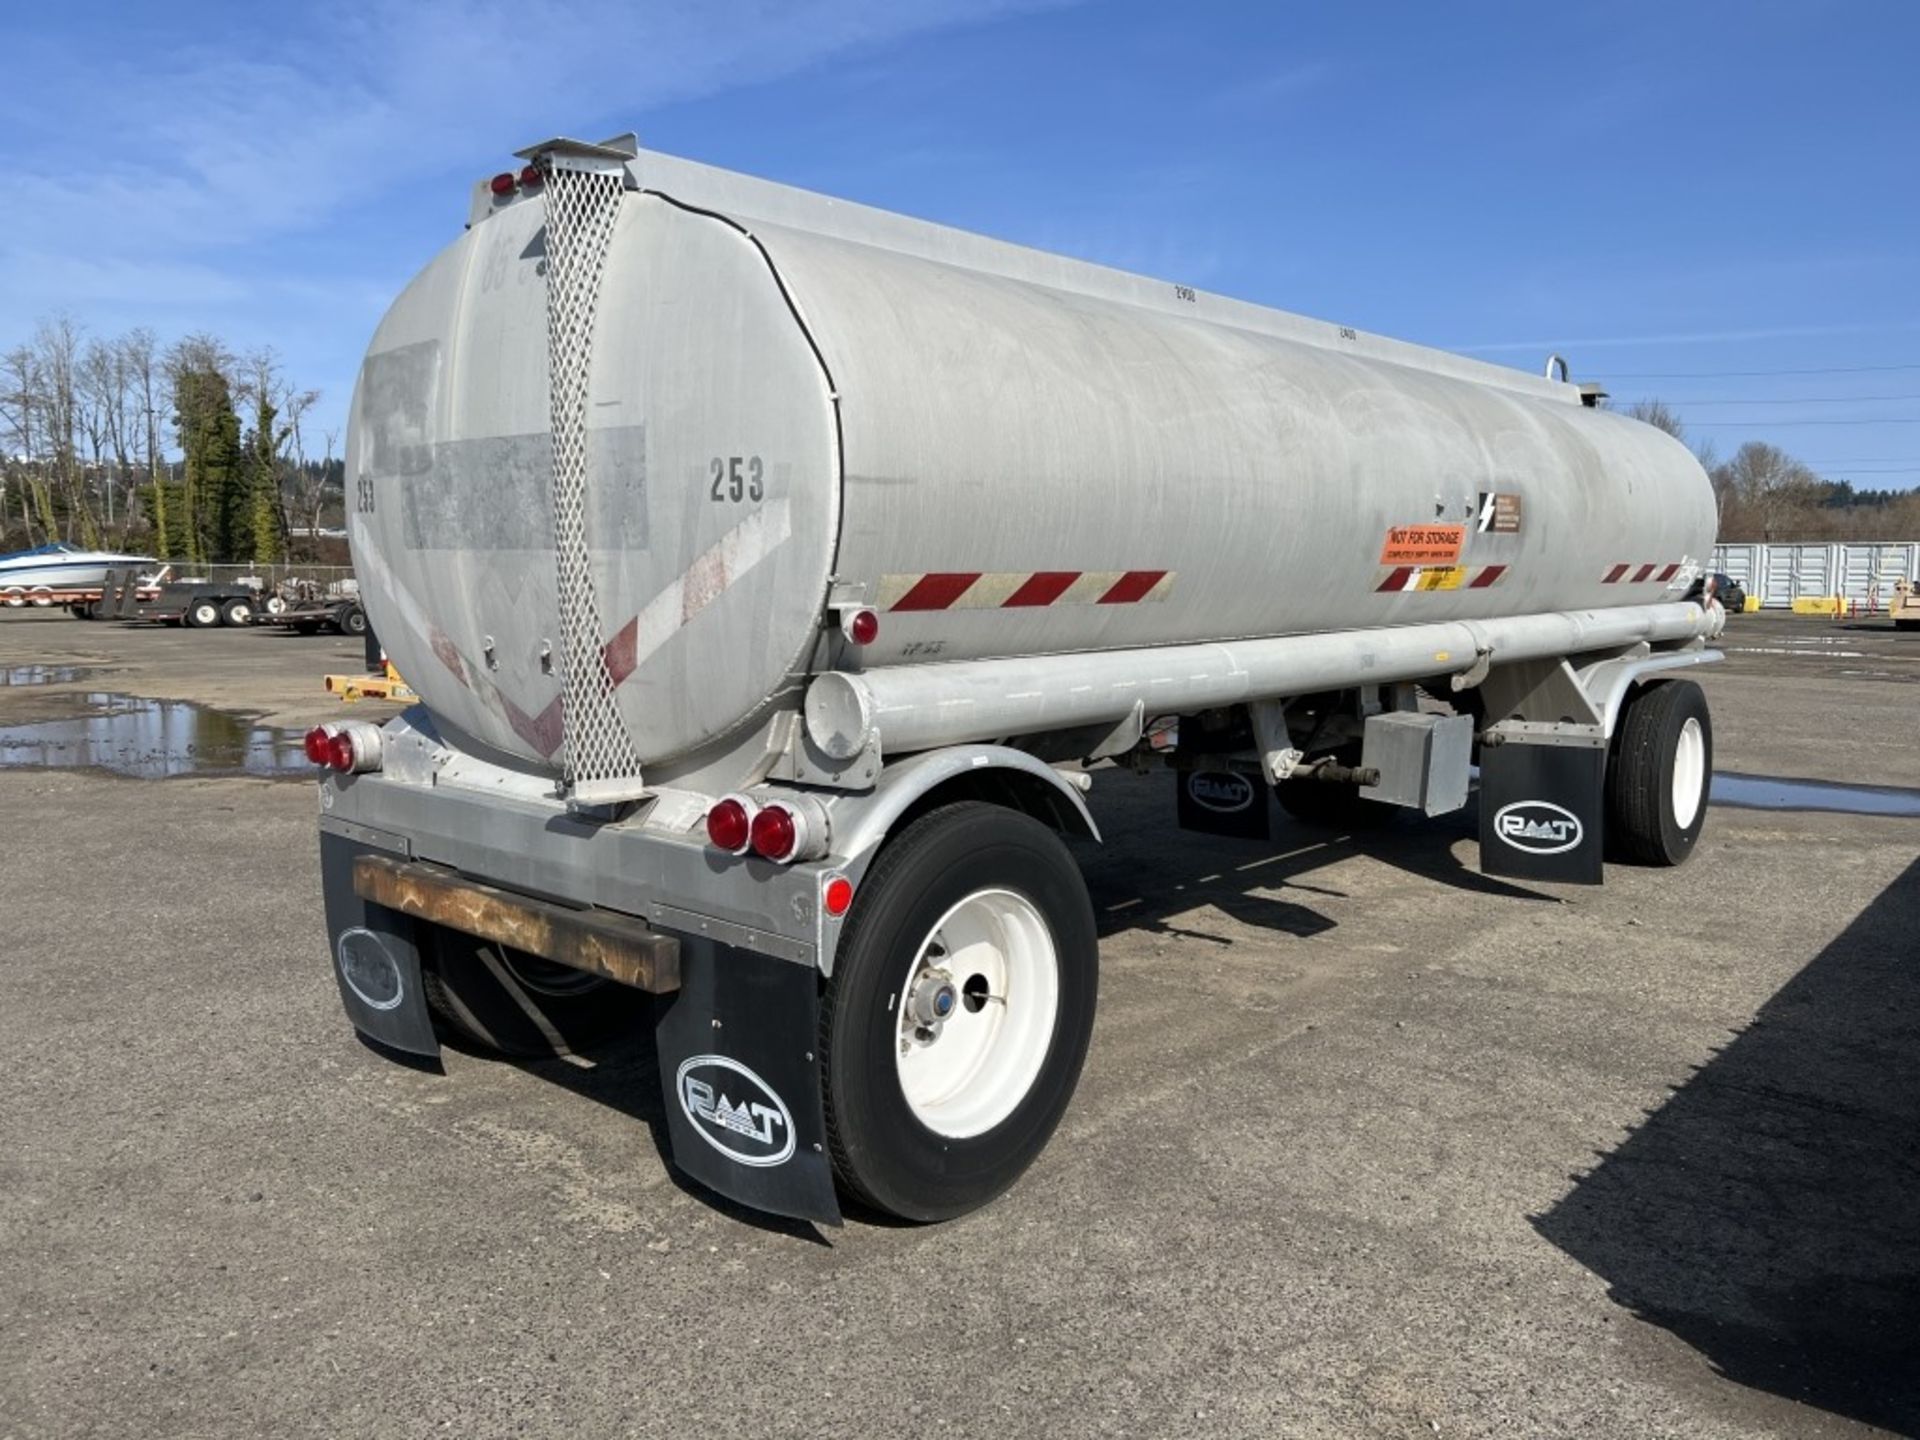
{"x": 214, "y": 147}
{"x": 173, "y": 184}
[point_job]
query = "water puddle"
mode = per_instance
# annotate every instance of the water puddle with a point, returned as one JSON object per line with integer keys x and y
{"x": 1773, "y": 792}
{"x": 41, "y": 674}
{"x": 154, "y": 740}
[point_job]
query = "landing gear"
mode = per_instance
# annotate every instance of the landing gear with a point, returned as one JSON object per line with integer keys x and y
{"x": 1659, "y": 774}
{"x": 959, "y": 1011}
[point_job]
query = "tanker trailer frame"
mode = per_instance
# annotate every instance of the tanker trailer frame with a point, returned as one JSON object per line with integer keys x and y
{"x": 720, "y": 729}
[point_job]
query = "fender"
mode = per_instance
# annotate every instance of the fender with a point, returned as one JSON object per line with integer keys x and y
{"x": 1606, "y": 683}
{"x": 861, "y": 822}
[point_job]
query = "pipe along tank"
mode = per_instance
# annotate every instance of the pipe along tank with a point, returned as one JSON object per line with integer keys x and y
{"x": 761, "y": 559}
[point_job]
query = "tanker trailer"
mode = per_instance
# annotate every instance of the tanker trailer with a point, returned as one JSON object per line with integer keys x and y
{"x": 777, "y": 574}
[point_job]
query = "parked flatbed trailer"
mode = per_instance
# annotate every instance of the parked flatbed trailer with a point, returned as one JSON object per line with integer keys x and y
{"x": 342, "y": 615}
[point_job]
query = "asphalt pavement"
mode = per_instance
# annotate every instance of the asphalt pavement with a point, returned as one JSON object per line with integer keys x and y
{"x": 1367, "y": 1144}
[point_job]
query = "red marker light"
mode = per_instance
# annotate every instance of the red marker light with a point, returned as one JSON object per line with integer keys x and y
{"x": 838, "y": 896}
{"x": 864, "y": 627}
{"x": 729, "y": 827}
{"x": 316, "y": 744}
{"x": 530, "y": 177}
{"x": 774, "y": 835}
{"x": 502, "y": 184}
{"x": 340, "y": 753}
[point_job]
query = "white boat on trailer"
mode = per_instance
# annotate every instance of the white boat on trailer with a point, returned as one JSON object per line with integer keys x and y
{"x": 50, "y": 574}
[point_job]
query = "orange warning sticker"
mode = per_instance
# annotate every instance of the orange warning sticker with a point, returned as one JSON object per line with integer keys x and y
{"x": 1423, "y": 544}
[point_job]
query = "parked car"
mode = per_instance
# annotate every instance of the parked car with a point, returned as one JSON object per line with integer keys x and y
{"x": 1727, "y": 590}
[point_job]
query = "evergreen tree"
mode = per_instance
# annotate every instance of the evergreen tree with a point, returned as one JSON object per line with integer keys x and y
{"x": 266, "y": 520}
{"x": 218, "y": 513}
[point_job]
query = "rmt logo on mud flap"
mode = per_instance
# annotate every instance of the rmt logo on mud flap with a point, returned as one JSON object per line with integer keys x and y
{"x": 734, "y": 1110}
{"x": 1538, "y": 827}
{"x": 1220, "y": 790}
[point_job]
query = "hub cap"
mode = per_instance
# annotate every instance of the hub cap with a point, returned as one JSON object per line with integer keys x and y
{"x": 990, "y": 963}
{"x": 1689, "y": 773}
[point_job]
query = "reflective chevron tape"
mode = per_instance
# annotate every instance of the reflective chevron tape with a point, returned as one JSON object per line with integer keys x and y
{"x": 1631, "y": 574}
{"x": 1440, "y": 577}
{"x": 1020, "y": 589}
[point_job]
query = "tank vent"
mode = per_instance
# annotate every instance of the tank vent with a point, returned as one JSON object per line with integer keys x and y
{"x": 598, "y": 763}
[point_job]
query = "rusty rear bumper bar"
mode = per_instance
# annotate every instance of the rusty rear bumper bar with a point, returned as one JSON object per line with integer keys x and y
{"x": 603, "y": 943}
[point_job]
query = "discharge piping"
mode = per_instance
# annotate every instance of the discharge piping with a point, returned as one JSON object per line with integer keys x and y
{"x": 916, "y": 707}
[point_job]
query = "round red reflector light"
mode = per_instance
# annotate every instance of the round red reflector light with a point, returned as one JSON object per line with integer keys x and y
{"x": 503, "y": 183}
{"x": 838, "y": 896}
{"x": 316, "y": 743}
{"x": 729, "y": 827}
{"x": 340, "y": 752}
{"x": 774, "y": 835}
{"x": 864, "y": 627}
{"x": 530, "y": 177}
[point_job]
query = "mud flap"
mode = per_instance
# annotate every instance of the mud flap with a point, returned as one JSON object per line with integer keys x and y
{"x": 741, "y": 1085}
{"x": 376, "y": 962}
{"x": 1542, "y": 812}
{"x": 1224, "y": 802}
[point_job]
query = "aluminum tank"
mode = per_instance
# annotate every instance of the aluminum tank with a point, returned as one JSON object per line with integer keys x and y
{"x": 791, "y": 401}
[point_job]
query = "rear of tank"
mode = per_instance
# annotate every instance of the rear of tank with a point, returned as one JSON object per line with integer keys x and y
{"x": 710, "y": 517}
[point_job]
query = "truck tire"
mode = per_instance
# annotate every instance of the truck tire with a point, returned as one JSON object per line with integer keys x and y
{"x": 202, "y": 614}
{"x": 521, "y": 1005}
{"x": 237, "y": 612}
{"x": 351, "y": 620}
{"x": 925, "y": 1132}
{"x": 1659, "y": 774}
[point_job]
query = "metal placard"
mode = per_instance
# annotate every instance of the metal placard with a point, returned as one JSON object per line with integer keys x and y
{"x": 1541, "y": 812}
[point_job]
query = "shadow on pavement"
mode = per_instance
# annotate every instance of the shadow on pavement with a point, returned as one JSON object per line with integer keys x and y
{"x": 1768, "y": 1214}
{"x": 1149, "y": 872}
{"x": 624, "y": 1075}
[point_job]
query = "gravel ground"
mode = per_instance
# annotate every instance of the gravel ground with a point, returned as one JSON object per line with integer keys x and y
{"x": 1367, "y": 1145}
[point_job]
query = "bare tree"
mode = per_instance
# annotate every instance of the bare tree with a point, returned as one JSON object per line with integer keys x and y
{"x": 1768, "y": 490}
{"x": 104, "y": 388}
{"x": 150, "y": 398}
{"x": 57, "y": 350}
{"x": 1658, "y": 414}
{"x": 20, "y": 405}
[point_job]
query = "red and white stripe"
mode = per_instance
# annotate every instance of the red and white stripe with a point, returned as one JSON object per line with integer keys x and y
{"x": 1019, "y": 589}
{"x": 1407, "y": 577}
{"x": 1629, "y": 573}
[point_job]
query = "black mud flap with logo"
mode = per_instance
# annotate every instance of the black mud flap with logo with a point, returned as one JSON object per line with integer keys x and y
{"x": 740, "y": 1080}
{"x": 1225, "y": 802}
{"x": 1541, "y": 812}
{"x": 376, "y": 961}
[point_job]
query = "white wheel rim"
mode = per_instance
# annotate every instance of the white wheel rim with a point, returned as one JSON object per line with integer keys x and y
{"x": 1689, "y": 773}
{"x": 16, "y": 597}
{"x": 984, "y": 1056}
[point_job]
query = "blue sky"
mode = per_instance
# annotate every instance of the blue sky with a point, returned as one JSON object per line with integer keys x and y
{"x": 1673, "y": 194}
